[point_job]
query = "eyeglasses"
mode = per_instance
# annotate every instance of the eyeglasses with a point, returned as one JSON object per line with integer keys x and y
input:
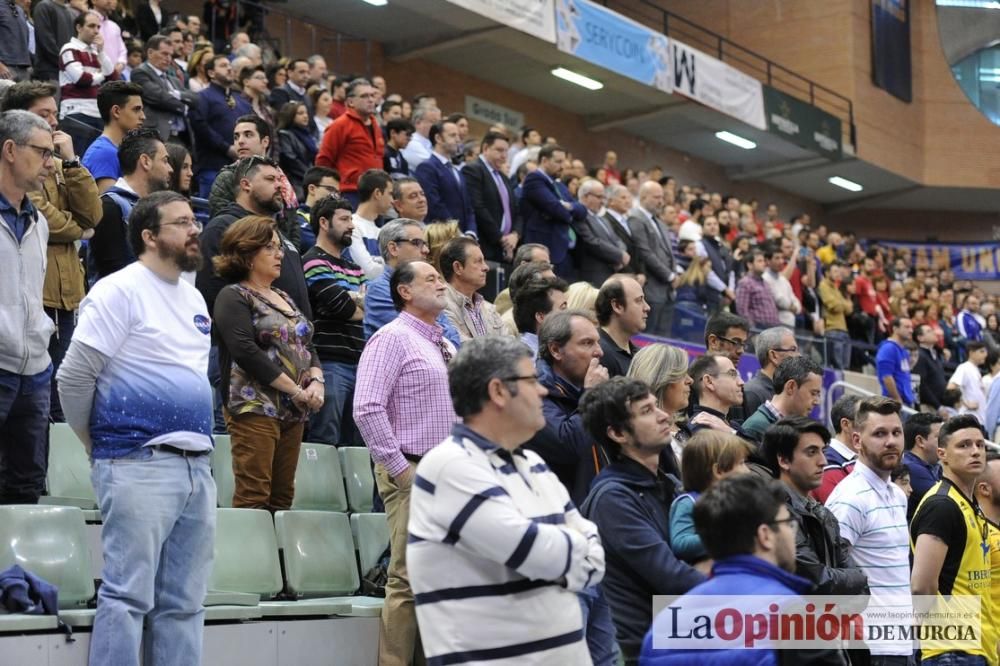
{"x": 418, "y": 243}
{"x": 524, "y": 378}
{"x": 46, "y": 153}
{"x": 786, "y": 350}
{"x": 736, "y": 342}
{"x": 274, "y": 248}
{"x": 729, "y": 373}
{"x": 791, "y": 521}
{"x": 185, "y": 223}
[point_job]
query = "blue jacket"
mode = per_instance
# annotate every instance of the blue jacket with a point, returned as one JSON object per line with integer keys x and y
{"x": 213, "y": 123}
{"x": 23, "y": 592}
{"x": 447, "y": 197}
{"x": 379, "y": 309}
{"x": 968, "y": 326}
{"x": 631, "y": 509}
{"x": 546, "y": 220}
{"x": 734, "y": 576}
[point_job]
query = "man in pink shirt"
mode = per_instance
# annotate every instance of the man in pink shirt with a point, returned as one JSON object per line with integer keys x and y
{"x": 111, "y": 33}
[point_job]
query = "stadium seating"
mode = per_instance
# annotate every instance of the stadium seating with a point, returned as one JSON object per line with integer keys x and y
{"x": 69, "y": 473}
{"x": 319, "y": 482}
{"x": 356, "y": 463}
{"x": 222, "y": 470}
{"x": 371, "y": 535}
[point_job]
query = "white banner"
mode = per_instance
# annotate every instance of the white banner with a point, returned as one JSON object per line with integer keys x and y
{"x": 535, "y": 17}
{"x": 717, "y": 85}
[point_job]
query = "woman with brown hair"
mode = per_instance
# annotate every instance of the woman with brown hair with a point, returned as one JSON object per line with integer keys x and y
{"x": 297, "y": 145}
{"x": 271, "y": 372}
{"x": 197, "y": 77}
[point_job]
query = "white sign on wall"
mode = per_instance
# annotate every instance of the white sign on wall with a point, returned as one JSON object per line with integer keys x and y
{"x": 487, "y": 112}
{"x": 535, "y": 17}
{"x": 717, "y": 85}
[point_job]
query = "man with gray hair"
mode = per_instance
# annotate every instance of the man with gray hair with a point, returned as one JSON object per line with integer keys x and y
{"x": 501, "y": 524}
{"x": 419, "y": 150}
{"x": 653, "y": 244}
{"x": 399, "y": 241}
{"x": 600, "y": 252}
{"x": 771, "y": 346}
{"x": 26, "y": 151}
{"x": 252, "y": 53}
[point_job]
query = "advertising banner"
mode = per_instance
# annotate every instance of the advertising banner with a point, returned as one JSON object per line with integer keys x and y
{"x": 717, "y": 85}
{"x": 535, "y": 17}
{"x": 969, "y": 261}
{"x": 802, "y": 124}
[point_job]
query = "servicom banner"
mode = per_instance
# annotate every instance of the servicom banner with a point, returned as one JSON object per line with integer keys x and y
{"x": 606, "y": 38}
{"x": 717, "y": 85}
{"x": 969, "y": 261}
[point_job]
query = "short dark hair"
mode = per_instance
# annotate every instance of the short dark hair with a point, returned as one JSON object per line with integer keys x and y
{"x": 611, "y": 292}
{"x": 210, "y": 62}
{"x": 325, "y": 207}
{"x": 246, "y": 72}
{"x": 81, "y": 18}
{"x": 532, "y": 298}
{"x": 607, "y": 405}
{"x": 875, "y": 405}
{"x": 548, "y": 150}
{"x": 721, "y": 322}
{"x": 400, "y": 125}
{"x": 405, "y": 273}
{"x": 751, "y": 256}
{"x": 21, "y": 96}
{"x": 974, "y": 345}
{"x": 146, "y": 215}
{"x": 372, "y": 180}
{"x": 525, "y": 273}
{"x": 478, "y": 362}
{"x": 728, "y": 514}
{"x": 386, "y": 105}
{"x": 138, "y": 142}
{"x": 919, "y": 425}
{"x": 492, "y": 137}
{"x": 706, "y": 364}
{"x": 247, "y": 167}
{"x": 797, "y": 369}
{"x": 263, "y": 127}
{"x": 900, "y": 471}
{"x": 956, "y": 423}
{"x": 845, "y": 408}
{"x": 112, "y": 94}
{"x": 153, "y": 43}
{"x": 436, "y": 130}
{"x": 316, "y": 174}
{"x": 781, "y": 439}
{"x": 457, "y": 249}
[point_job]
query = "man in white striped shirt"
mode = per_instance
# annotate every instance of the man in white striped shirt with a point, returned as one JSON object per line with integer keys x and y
{"x": 497, "y": 551}
{"x": 871, "y": 510}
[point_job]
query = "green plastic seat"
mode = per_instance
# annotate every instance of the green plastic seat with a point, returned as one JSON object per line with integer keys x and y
{"x": 69, "y": 473}
{"x": 319, "y": 560}
{"x": 371, "y": 538}
{"x": 356, "y": 462}
{"x": 319, "y": 483}
{"x": 222, "y": 470}
{"x": 50, "y": 542}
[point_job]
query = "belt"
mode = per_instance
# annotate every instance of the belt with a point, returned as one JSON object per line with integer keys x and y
{"x": 413, "y": 458}
{"x": 184, "y": 453}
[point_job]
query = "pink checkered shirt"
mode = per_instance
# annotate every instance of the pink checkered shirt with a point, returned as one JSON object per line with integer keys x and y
{"x": 401, "y": 399}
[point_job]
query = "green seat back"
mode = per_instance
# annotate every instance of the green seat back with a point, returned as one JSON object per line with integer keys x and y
{"x": 358, "y": 476}
{"x": 371, "y": 537}
{"x": 319, "y": 483}
{"x": 69, "y": 468}
{"x": 50, "y": 542}
{"x": 246, "y": 553}
{"x": 222, "y": 470}
{"x": 318, "y": 551}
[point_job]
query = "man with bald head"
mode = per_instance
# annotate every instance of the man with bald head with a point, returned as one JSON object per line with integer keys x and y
{"x": 653, "y": 244}
{"x": 600, "y": 252}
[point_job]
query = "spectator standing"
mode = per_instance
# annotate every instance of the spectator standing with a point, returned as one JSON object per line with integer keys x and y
{"x": 26, "y": 150}
{"x": 353, "y": 144}
{"x": 754, "y": 299}
{"x": 151, "y": 19}
{"x": 297, "y": 145}
{"x": 892, "y": 363}
{"x": 145, "y": 169}
{"x": 836, "y": 306}
{"x": 498, "y": 397}
{"x": 720, "y": 277}
{"x": 798, "y": 382}
{"x": 294, "y": 90}
{"x": 374, "y": 190}
{"x": 252, "y": 83}
{"x": 840, "y": 454}
{"x": 419, "y": 149}
{"x": 464, "y": 268}
{"x": 718, "y": 388}
{"x": 616, "y": 213}
{"x": 83, "y": 67}
{"x": 533, "y": 303}
{"x": 53, "y": 27}
{"x": 409, "y": 200}
{"x": 16, "y": 35}
{"x": 443, "y": 183}
{"x": 111, "y": 33}
{"x": 785, "y": 300}
{"x": 771, "y": 346}
{"x": 69, "y": 202}
{"x": 336, "y": 294}
{"x": 549, "y": 210}
{"x": 793, "y": 450}
{"x": 969, "y": 379}
{"x": 920, "y": 440}
{"x": 622, "y": 312}
{"x": 600, "y": 251}
{"x": 652, "y": 241}
{"x": 871, "y": 511}
{"x": 271, "y": 376}
{"x": 629, "y": 502}
{"x": 214, "y": 119}
{"x": 498, "y": 220}
{"x": 970, "y": 323}
{"x": 144, "y": 334}
{"x": 403, "y": 409}
{"x": 929, "y": 367}
{"x": 119, "y": 104}
{"x": 164, "y": 101}
{"x": 321, "y": 101}
{"x": 338, "y": 93}
{"x": 397, "y": 136}
{"x": 319, "y": 183}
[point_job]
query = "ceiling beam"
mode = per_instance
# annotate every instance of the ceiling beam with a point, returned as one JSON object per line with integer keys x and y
{"x": 869, "y": 201}
{"x": 795, "y": 166}
{"x": 438, "y": 46}
{"x": 614, "y": 122}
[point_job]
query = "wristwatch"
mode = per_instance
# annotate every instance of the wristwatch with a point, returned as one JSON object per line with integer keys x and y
{"x": 71, "y": 164}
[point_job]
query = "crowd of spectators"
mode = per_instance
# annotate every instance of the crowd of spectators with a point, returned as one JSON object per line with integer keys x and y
{"x": 357, "y": 268}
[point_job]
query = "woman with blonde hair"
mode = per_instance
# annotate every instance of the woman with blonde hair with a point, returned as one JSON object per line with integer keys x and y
{"x": 710, "y": 455}
{"x": 692, "y": 286}
{"x": 664, "y": 368}
{"x": 582, "y": 296}
{"x": 198, "y": 80}
{"x": 439, "y": 233}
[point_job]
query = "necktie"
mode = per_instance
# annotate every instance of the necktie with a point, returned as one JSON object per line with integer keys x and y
{"x": 572, "y": 231}
{"x": 666, "y": 241}
{"x": 445, "y": 352}
{"x": 505, "y": 199}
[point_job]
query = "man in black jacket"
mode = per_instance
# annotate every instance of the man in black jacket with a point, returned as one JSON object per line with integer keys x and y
{"x": 793, "y": 449}
{"x": 498, "y": 218}
{"x": 929, "y": 367}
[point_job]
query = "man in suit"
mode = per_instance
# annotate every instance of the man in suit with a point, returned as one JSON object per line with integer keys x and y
{"x": 164, "y": 103}
{"x": 653, "y": 245}
{"x": 549, "y": 210}
{"x": 618, "y": 204}
{"x": 599, "y": 250}
{"x": 294, "y": 90}
{"x": 443, "y": 182}
{"x": 213, "y": 121}
{"x": 498, "y": 218}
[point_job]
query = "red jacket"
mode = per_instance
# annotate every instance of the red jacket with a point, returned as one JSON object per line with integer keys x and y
{"x": 351, "y": 147}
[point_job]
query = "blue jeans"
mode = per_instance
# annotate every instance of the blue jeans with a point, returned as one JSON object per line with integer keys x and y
{"x": 954, "y": 659}
{"x": 65, "y": 321}
{"x": 157, "y": 539}
{"x": 215, "y": 379}
{"x": 333, "y": 424}
{"x": 598, "y": 627}
{"x": 24, "y": 436}
{"x": 838, "y": 345}
{"x": 206, "y": 177}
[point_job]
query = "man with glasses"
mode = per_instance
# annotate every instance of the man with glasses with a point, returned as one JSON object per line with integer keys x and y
{"x": 771, "y": 346}
{"x": 135, "y": 390}
{"x": 353, "y": 143}
{"x": 729, "y": 334}
{"x": 600, "y": 251}
{"x": 716, "y": 390}
{"x": 318, "y": 183}
{"x": 26, "y": 151}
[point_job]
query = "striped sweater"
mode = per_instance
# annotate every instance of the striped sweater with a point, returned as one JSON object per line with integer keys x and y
{"x": 82, "y": 70}
{"x": 339, "y": 336}
{"x": 496, "y": 552}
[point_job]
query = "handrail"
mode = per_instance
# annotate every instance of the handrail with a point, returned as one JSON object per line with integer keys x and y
{"x": 765, "y": 69}
{"x": 907, "y": 411}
